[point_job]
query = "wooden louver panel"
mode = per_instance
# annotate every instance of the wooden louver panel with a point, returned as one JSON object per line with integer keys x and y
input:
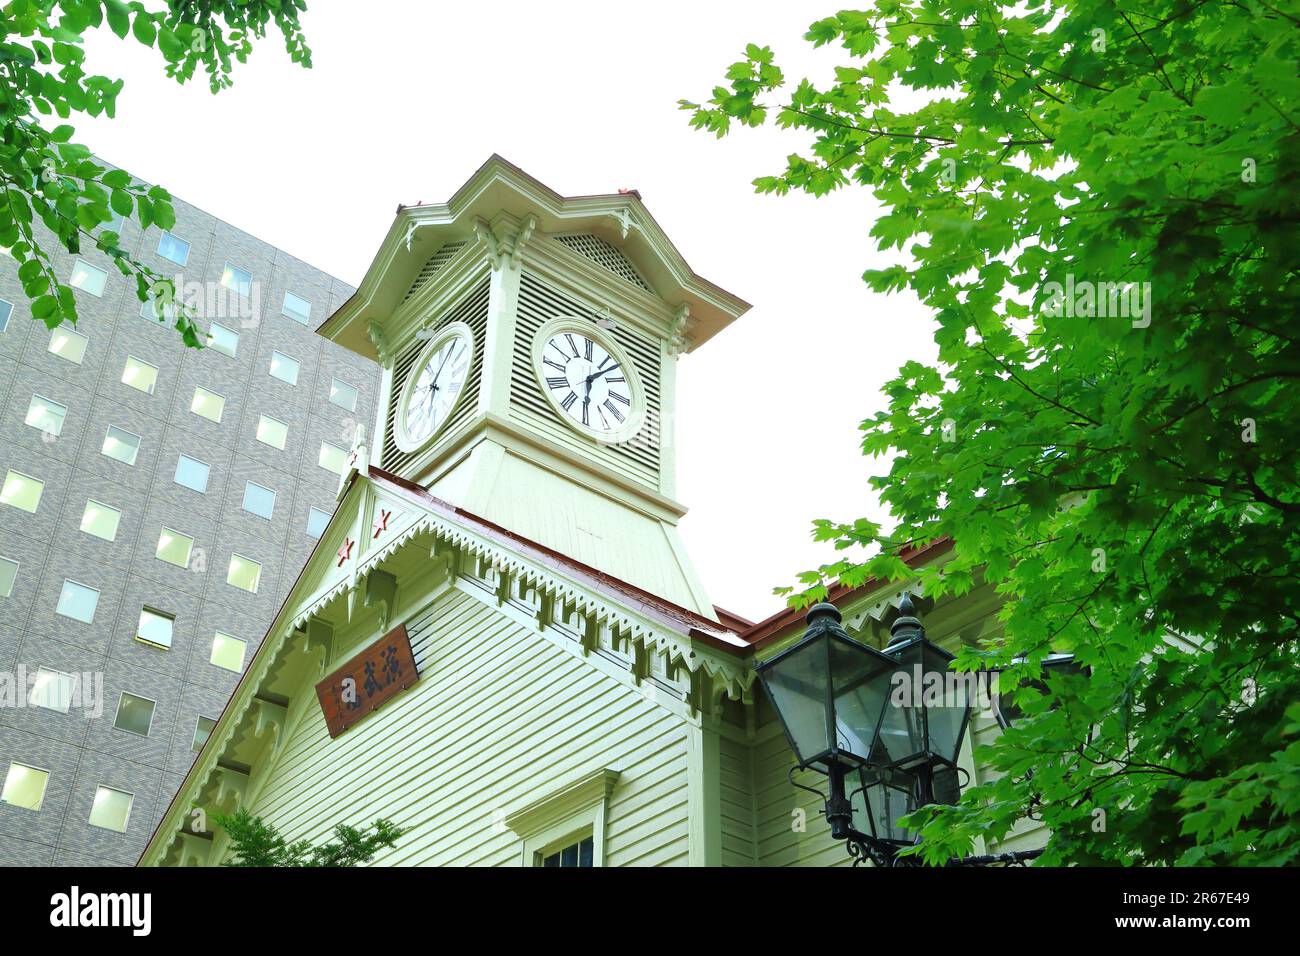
{"x": 472, "y": 310}
{"x": 638, "y": 457}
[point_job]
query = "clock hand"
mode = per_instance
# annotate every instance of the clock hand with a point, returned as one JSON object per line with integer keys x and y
{"x": 598, "y": 373}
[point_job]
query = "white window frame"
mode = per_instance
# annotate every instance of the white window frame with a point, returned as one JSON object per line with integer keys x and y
{"x": 17, "y": 567}
{"x": 167, "y": 234}
{"x": 107, "y": 507}
{"x": 232, "y": 269}
{"x": 44, "y": 790}
{"x": 243, "y": 557}
{"x": 153, "y": 386}
{"x": 48, "y": 402}
{"x": 198, "y": 461}
{"x": 204, "y": 388}
{"x": 39, "y": 495}
{"x": 89, "y": 268}
{"x": 138, "y": 441}
{"x": 328, "y": 515}
{"x": 98, "y": 595}
{"x": 218, "y": 349}
{"x": 356, "y": 394}
{"x": 152, "y": 713}
{"x": 4, "y": 324}
{"x": 72, "y": 690}
{"x": 62, "y": 330}
{"x": 338, "y": 448}
{"x": 163, "y": 529}
{"x": 126, "y": 824}
{"x": 243, "y": 654}
{"x": 197, "y": 718}
{"x": 564, "y": 816}
{"x": 297, "y": 370}
{"x": 156, "y": 612}
{"x": 277, "y": 421}
{"x": 244, "y": 502}
{"x": 284, "y": 308}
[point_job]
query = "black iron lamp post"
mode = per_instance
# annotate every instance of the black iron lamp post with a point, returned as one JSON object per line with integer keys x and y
{"x": 1005, "y": 708}
{"x": 885, "y": 728}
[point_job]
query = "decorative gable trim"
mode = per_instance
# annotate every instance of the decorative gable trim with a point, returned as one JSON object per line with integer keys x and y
{"x": 676, "y": 656}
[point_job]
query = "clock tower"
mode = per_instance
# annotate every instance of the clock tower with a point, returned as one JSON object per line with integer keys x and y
{"x": 530, "y": 345}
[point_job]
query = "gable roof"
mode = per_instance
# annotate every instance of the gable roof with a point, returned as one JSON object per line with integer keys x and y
{"x": 497, "y": 188}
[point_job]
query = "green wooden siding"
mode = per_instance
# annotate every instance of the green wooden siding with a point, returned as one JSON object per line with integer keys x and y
{"x": 499, "y": 718}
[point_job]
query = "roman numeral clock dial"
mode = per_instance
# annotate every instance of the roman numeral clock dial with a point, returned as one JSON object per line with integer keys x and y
{"x": 589, "y": 381}
{"x": 434, "y": 386}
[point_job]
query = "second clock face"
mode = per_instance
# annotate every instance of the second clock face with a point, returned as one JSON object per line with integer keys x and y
{"x": 587, "y": 382}
{"x": 436, "y": 386}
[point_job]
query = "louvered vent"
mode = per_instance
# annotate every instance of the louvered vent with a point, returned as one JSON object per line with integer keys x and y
{"x": 473, "y": 311}
{"x": 606, "y": 256}
{"x": 435, "y": 263}
{"x": 639, "y": 456}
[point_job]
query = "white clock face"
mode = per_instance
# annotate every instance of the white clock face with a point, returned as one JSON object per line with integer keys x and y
{"x": 436, "y": 386}
{"x": 588, "y": 383}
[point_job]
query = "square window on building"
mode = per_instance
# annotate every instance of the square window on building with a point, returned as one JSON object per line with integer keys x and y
{"x": 25, "y": 786}
{"x": 22, "y": 492}
{"x": 296, "y": 308}
{"x": 316, "y": 521}
{"x": 67, "y": 344}
{"x": 111, "y": 809}
{"x": 259, "y": 500}
{"x": 333, "y": 458}
{"x": 99, "y": 520}
{"x": 237, "y": 280}
{"x": 177, "y": 250}
{"x": 174, "y": 548}
{"x": 192, "y": 473}
{"x": 46, "y": 414}
{"x": 222, "y": 339}
{"x": 284, "y": 368}
{"x": 140, "y": 375}
{"x": 155, "y": 628}
{"x": 78, "y": 602}
{"x": 343, "y": 395}
{"x": 202, "y": 731}
{"x": 52, "y": 690}
{"x": 116, "y": 224}
{"x": 134, "y": 714}
{"x": 8, "y": 575}
{"x": 121, "y": 445}
{"x": 244, "y": 573}
{"x": 88, "y": 278}
{"x": 6, "y": 310}
{"x": 207, "y": 404}
{"x": 272, "y": 432}
{"x": 228, "y": 652}
{"x": 156, "y": 311}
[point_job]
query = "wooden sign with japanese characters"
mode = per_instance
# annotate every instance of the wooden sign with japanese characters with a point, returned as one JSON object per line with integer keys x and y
{"x": 364, "y": 683}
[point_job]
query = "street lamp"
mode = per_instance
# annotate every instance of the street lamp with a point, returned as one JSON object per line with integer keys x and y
{"x": 1005, "y": 708}
{"x": 890, "y": 725}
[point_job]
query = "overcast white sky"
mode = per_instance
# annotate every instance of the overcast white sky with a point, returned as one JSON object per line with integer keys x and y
{"x": 406, "y": 99}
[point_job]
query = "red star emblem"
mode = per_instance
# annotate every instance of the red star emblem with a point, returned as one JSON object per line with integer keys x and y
{"x": 345, "y": 552}
{"x": 381, "y": 523}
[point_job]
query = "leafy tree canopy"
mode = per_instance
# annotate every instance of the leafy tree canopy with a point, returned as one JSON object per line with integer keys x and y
{"x": 48, "y": 178}
{"x": 1098, "y": 200}
{"x": 256, "y": 843}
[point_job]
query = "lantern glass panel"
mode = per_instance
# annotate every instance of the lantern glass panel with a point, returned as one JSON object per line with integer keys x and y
{"x": 862, "y": 684}
{"x": 798, "y": 683}
{"x": 886, "y": 798}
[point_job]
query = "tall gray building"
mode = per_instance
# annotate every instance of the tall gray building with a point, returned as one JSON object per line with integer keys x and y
{"x": 157, "y": 503}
